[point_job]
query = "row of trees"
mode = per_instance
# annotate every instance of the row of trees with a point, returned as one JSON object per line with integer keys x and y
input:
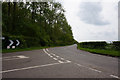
{"x": 39, "y": 23}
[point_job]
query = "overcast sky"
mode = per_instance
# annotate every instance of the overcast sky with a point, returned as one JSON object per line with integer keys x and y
{"x": 92, "y": 20}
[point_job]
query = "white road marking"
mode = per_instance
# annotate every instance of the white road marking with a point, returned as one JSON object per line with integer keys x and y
{"x": 14, "y": 57}
{"x": 89, "y": 68}
{"x": 22, "y": 56}
{"x": 47, "y": 50}
{"x": 32, "y": 67}
{"x": 51, "y": 56}
{"x": 60, "y": 62}
{"x": 55, "y": 58}
{"x": 95, "y": 70}
{"x": 79, "y": 65}
{"x": 68, "y": 61}
{"x": 10, "y": 56}
{"x": 114, "y": 76}
{"x": 62, "y": 58}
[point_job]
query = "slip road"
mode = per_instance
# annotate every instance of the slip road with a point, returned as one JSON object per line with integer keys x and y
{"x": 58, "y": 62}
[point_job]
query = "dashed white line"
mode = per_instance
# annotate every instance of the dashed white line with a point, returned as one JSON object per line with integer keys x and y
{"x": 60, "y": 62}
{"x": 68, "y": 61}
{"x": 79, "y": 65}
{"x": 62, "y": 58}
{"x": 89, "y": 68}
{"x": 51, "y": 56}
{"x": 95, "y": 70}
{"x": 114, "y": 76}
{"x": 45, "y": 51}
{"x": 55, "y": 58}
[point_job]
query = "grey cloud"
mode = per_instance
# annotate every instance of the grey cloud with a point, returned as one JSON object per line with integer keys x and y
{"x": 90, "y": 13}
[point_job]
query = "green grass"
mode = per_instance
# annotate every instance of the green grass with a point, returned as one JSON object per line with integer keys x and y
{"x": 25, "y": 49}
{"x": 101, "y": 51}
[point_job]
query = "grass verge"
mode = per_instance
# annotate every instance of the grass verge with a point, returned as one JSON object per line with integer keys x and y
{"x": 18, "y": 49}
{"x": 26, "y": 49}
{"x": 106, "y": 52}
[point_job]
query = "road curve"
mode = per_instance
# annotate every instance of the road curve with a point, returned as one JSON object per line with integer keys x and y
{"x": 58, "y": 62}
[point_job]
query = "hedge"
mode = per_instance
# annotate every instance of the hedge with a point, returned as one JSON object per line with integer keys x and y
{"x": 116, "y": 45}
{"x": 93, "y": 45}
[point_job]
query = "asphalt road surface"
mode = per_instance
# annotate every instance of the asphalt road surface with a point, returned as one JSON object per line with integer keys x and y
{"x": 58, "y": 62}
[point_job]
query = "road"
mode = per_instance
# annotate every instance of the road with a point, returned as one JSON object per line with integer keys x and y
{"x": 58, "y": 62}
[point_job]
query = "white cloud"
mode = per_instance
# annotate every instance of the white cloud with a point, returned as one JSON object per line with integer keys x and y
{"x": 89, "y": 12}
{"x": 84, "y": 31}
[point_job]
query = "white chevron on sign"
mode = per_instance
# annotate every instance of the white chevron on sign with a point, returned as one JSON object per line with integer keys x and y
{"x": 3, "y": 38}
{"x": 11, "y": 42}
{"x": 18, "y": 42}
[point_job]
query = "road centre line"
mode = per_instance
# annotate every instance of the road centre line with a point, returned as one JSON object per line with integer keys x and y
{"x": 88, "y": 68}
{"x": 32, "y": 67}
{"x": 114, "y": 76}
{"x": 62, "y": 58}
{"x": 60, "y": 61}
{"x": 51, "y": 56}
{"x": 68, "y": 61}
{"x": 95, "y": 70}
{"x": 55, "y": 58}
{"x": 45, "y": 51}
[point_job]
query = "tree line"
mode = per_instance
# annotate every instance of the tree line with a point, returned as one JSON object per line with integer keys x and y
{"x": 36, "y": 23}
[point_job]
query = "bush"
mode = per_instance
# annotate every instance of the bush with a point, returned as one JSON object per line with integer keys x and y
{"x": 116, "y": 45}
{"x": 93, "y": 45}
{"x": 25, "y": 42}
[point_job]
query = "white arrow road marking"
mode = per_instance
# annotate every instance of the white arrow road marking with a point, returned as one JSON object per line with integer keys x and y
{"x": 22, "y": 56}
{"x": 18, "y": 42}
{"x": 14, "y": 57}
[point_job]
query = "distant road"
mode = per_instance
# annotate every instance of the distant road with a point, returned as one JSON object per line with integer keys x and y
{"x": 58, "y": 62}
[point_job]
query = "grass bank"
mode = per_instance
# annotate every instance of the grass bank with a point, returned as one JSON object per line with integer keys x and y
{"x": 24, "y": 49}
{"x": 107, "y": 52}
{"x": 27, "y": 49}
